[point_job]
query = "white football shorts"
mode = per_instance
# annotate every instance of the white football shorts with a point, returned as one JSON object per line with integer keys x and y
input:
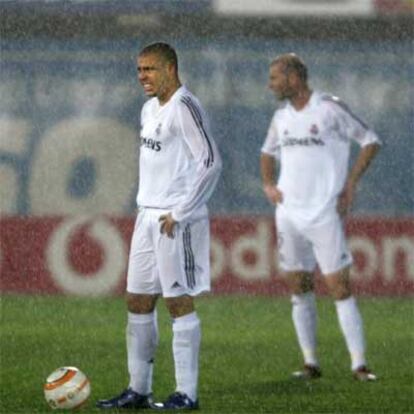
{"x": 302, "y": 246}
{"x": 171, "y": 267}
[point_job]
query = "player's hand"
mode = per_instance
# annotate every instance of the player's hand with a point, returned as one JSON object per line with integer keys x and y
{"x": 167, "y": 225}
{"x": 345, "y": 200}
{"x": 273, "y": 194}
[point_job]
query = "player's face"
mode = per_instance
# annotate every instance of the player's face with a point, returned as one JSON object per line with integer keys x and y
{"x": 279, "y": 82}
{"x": 154, "y": 74}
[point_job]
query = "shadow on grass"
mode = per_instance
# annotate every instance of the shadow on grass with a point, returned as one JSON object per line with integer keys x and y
{"x": 284, "y": 387}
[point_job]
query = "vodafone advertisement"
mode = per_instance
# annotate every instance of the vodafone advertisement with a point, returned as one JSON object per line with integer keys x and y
{"x": 87, "y": 255}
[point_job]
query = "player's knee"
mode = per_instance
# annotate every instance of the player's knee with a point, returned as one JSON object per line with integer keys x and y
{"x": 180, "y": 306}
{"x": 339, "y": 284}
{"x": 300, "y": 282}
{"x": 140, "y": 303}
{"x": 341, "y": 294}
{"x": 340, "y": 291}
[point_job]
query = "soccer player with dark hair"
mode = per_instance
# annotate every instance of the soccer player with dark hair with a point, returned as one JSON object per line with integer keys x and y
{"x": 179, "y": 167}
{"x": 309, "y": 139}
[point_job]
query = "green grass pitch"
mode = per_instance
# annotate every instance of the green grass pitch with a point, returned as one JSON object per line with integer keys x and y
{"x": 248, "y": 352}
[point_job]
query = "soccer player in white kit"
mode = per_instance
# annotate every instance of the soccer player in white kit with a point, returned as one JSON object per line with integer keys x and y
{"x": 179, "y": 167}
{"x": 309, "y": 140}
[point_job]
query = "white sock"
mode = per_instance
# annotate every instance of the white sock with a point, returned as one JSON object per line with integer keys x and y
{"x": 352, "y": 328}
{"x": 142, "y": 341}
{"x": 186, "y": 346}
{"x": 304, "y": 320}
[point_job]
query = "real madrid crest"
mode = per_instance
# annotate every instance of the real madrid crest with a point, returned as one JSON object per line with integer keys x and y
{"x": 158, "y": 129}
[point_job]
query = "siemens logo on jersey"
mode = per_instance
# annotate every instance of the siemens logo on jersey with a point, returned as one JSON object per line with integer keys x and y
{"x": 306, "y": 141}
{"x": 150, "y": 144}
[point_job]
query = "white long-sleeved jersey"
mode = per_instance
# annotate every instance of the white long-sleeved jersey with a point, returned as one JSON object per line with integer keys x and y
{"x": 313, "y": 147}
{"x": 179, "y": 164}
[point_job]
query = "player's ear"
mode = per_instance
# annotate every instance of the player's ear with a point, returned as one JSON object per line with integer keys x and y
{"x": 293, "y": 78}
{"x": 171, "y": 69}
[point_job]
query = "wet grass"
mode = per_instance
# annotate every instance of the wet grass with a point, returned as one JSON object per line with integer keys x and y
{"x": 248, "y": 352}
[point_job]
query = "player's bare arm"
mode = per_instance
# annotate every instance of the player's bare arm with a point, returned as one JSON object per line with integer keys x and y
{"x": 267, "y": 167}
{"x": 366, "y": 155}
{"x": 167, "y": 225}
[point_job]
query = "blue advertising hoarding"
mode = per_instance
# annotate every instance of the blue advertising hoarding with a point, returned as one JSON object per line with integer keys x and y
{"x": 69, "y": 116}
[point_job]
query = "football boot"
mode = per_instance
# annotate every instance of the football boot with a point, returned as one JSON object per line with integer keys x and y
{"x": 127, "y": 399}
{"x": 364, "y": 374}
{"x": 308, "y": 372}
{"x": 177, "y": 401}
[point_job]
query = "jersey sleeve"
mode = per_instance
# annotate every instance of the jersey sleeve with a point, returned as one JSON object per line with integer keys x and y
{"x": 350, "y": 125}
{"x": 271, "y": 145}
{"x": 204, "y": 153}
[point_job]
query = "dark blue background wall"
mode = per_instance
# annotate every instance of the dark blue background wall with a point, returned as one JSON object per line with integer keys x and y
{"x": 69, "y": 113}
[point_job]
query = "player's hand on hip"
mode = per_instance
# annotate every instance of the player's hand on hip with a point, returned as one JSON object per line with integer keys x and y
{"x": 273, "y": 194}
{"x": 167, "y": 225}
{"x": 345, "y": 199}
